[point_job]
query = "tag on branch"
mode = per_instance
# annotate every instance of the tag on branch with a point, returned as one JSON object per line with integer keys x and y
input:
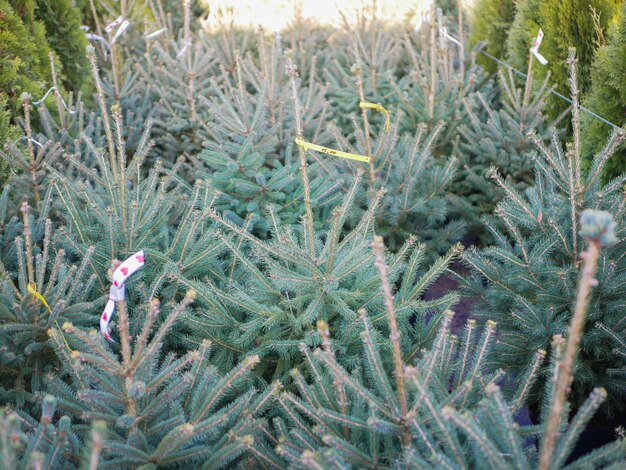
{"x": 535, "y": 48}
{"x": 118, "y": 289}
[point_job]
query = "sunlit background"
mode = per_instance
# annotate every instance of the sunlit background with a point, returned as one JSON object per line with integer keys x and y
{"x": 274, "y": 15}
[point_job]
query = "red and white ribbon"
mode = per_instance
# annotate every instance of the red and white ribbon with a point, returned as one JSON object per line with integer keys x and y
{"x": 535, "y": 48}
{"x": 116, "y": 294}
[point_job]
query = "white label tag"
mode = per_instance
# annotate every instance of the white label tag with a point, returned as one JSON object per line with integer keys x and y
{"x": 535, "y": 48}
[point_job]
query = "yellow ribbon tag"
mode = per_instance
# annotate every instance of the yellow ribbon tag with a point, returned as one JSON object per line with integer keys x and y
{"x": 334, "y": 153}
{"x": 377, "y": 107}
{"x": 32, "y": 289}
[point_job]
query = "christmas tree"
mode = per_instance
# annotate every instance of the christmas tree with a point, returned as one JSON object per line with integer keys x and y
{"x": 228, "y": 253}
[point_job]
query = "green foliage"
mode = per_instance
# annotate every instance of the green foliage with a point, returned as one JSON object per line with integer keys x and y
{"x": 448, "y": 7}
{"x": 411, "y": 76}
{"x": 533, "y": 267}
{"x": 607, "y": 96}
{"x": 251, "y": 241}
{"x": 62, "y": 21}
{"x": 7, "y": 133}
{"x": 523, "y": 32}
{"x": 491, "y": 21}
{"x": 29, "y": 443}
{"x": 30, "y": 265}
{"x": 417, "y": 203}
{"x": 25, "y": 66}
{"x": 568, "y": 24}
{"x": 565, "y": 24}
{"x": 455, "y": 416}
{"x": 495, "y": 135}
{"x": 284, "y": 285}
{"x": 250, "y": 157}
{"x": 31, "y": 34}
{"x": 179, "y": 120}
{"x": 363, "y": 418}
{"x": 161, "y": 410}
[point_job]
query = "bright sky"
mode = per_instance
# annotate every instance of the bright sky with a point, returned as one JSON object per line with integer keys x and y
{"x": 273, "y": 15}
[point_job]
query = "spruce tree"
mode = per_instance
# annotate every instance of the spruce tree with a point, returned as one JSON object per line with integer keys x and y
{"x": 49, "y": 441}
{"x": 533, "y": 266}
{"x": 417, "y": 188}
{"x": 272, "y": 297}
{"x": 161, "y": 410}
{"x": 257, "y": 249}
{"x": 495, "y": 134}
{"x": 40, "y": 290}
{"x": 250, "y": 157}
{"x": 180, "y": 121}
{"x": 444, "y": 408}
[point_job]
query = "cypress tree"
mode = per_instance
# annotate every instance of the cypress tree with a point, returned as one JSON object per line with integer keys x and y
{"x": 491, "y": 20}
{"x": 62, "y": 22}
{"x": 569, "y": 23}
{"x": 522, "y": 32}
{"x": 25, "y": 66}
{"x": 607, "y": 96}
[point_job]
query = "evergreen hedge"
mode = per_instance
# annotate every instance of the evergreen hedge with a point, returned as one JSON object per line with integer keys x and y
{"x": 607, "y": 96}
{"x": 491, "y": 21}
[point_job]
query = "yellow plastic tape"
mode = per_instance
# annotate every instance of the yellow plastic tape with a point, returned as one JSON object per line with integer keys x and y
{"x": 32, "y": 288}
{"x": 377, "y": 107}
{"x": 335, "y": 153}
